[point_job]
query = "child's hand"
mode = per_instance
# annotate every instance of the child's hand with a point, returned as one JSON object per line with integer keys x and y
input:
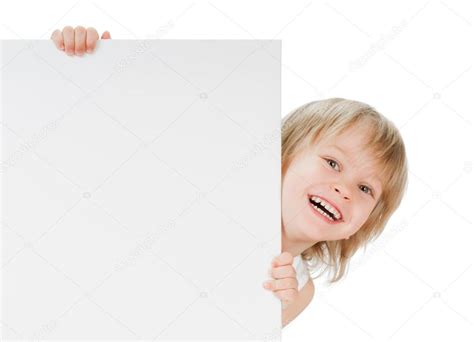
{"x": 77, "y": 41}
{"x": 284, "y": 285}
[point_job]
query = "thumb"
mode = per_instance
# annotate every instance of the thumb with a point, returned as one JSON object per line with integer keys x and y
{"x": 285, "y": 258}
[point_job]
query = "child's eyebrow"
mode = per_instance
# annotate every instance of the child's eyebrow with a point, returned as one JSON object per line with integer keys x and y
{"x": 338, "y": 148}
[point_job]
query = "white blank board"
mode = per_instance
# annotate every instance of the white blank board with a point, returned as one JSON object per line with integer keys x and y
{"x": 140, "y": 190}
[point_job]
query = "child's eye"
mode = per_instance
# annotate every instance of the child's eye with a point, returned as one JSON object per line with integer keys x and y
{"x": 369, "y": 189}
{"x": 329, "y": 162}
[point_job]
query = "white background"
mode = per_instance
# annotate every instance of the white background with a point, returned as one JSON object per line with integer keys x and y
{"x": 412, "y": 61}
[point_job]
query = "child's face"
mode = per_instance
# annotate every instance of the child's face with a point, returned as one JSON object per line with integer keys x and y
{"x": 347, "y": 179}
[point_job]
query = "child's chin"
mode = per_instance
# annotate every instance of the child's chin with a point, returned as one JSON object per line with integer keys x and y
{"x": 315, "y": 230}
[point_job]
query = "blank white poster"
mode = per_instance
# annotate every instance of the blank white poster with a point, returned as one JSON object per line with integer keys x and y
{"x": 140, "y": 190}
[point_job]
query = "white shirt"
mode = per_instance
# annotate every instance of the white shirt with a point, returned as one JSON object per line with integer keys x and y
{"x": 302, "y": 273}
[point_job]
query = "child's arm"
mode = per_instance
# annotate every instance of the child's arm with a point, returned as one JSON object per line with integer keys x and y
{"x": 285, "y": 286}
{"x": 77, "y": 41}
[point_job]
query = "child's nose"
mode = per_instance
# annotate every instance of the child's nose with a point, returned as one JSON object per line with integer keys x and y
{"x": 340, "y": 190}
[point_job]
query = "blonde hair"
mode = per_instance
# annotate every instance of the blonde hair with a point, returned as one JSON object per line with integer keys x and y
{"x": 317, "y": 120}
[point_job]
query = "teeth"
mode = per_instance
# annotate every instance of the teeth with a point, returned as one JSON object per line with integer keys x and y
{"x": 322, "y": 212}
{"x": 329, "y": 207}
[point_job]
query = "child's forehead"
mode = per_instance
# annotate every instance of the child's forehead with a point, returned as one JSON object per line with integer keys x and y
{"x": 346, "y": 146}
{"x": 356, "y": 135}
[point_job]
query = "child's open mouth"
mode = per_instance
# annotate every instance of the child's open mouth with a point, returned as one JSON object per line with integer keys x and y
{"x": 325, "y": 210}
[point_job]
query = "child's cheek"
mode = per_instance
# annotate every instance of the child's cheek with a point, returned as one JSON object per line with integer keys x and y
{"x": 322, "y": 173}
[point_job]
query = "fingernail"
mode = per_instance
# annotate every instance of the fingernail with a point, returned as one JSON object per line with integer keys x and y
{"x": 62, "y": 47}
{"x": 89, "y": 50}
{"x": 270, "y": 272}
{"x": 266, "y": 285}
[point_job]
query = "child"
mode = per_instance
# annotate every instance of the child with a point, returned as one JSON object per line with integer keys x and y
{"x": 344, "y": 173}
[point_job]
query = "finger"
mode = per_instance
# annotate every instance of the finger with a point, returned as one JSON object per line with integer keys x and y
{"x": 68, "y": 37}
{"x": 106, "y": 35}
{"x": 279, "y": 272}
{"x": 79, "y": 40}
{"x": 281, "y": 284}
{"x": 57, "y": 38}
{"x": 91, "y": 39}
{"x": 285, "y": 258}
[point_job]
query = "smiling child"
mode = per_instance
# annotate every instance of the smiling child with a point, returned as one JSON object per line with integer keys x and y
{"x": 344, "y": 173}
